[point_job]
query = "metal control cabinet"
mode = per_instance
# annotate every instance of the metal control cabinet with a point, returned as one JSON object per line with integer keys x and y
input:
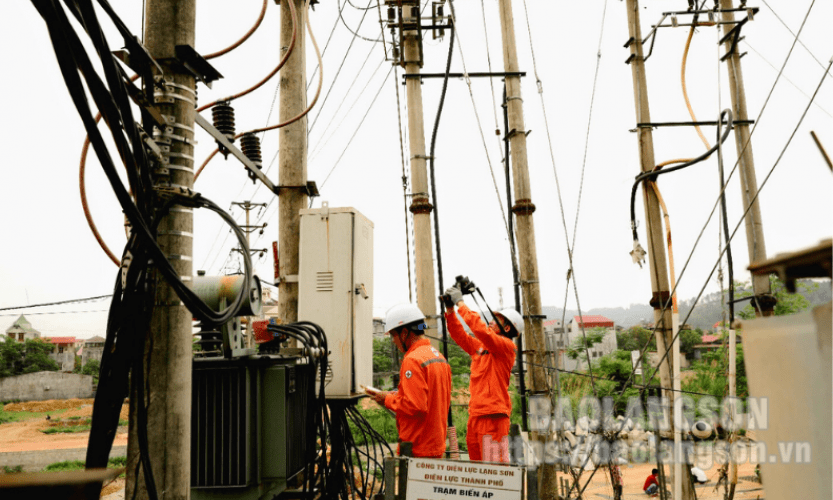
{"x": 336, "y": 292}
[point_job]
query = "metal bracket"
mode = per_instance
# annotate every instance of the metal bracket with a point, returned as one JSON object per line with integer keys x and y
{"x": 311, "y": 188}
{"x": 734, "y": 34}
{"x": 196, "y": 64}
{"x": 222, "y": 139}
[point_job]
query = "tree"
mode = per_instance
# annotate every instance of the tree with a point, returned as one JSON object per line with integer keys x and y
{"x": 382, "y": 355}
{"x": 36, "y": 358}
{"x": 689, "y": 339}
{"x": 93, "y": 367}
{"x": 635, "y": 338}
{"x": 31, "y": 356}
{"x": 788, "y": 303}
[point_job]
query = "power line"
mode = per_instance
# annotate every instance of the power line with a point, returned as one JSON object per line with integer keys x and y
{"x": 785, "y": 78}
{"x": 70, "y": 301}
{"x": 60, "y": 312}
{"x": 357, "y": 129}
{"x": 821, "y": 65}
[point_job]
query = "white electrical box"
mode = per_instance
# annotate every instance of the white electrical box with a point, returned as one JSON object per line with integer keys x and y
{"x": 335, "y": 282}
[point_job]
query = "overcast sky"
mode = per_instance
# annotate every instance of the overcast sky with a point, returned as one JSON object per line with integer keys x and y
{"x": 49, "y": 254}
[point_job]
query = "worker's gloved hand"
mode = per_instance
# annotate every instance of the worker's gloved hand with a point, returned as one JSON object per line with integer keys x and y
{"x": 454, "y": 294}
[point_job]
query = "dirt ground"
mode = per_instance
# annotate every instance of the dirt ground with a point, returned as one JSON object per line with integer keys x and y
{"x": 26, "y": 435}
{"x": 634, "y": 477}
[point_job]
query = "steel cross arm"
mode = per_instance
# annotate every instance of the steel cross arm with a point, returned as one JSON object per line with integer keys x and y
{"x": 222, "y": 139}
{"x": 462, "y": 75}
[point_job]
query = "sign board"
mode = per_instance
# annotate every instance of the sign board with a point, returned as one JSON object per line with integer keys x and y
{"x": 634, "y": 359}
{"x": 430, "y": 479}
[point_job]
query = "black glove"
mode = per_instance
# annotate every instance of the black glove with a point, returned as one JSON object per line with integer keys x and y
{"x": 465, "y": 285}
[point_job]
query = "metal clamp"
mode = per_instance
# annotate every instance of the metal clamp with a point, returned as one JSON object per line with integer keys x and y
{"x": 172, "y": 232}
{"x": 170, "y": 97}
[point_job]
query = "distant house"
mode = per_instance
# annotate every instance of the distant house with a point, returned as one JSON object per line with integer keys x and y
{"x": 93, "y": 349}
{"x": 552, "y": 326}
{"x": 709, "y": 343}
{"x": 21, "y": 330}
{"x": 378, "y": 327}
{"x": 63, "y": 352}
{"x": 559, "y": 342}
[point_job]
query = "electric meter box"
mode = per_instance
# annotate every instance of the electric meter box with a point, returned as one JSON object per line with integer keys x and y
{"x": 335, "y": 291}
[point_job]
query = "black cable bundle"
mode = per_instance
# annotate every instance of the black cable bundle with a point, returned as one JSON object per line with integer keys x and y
{"x": 144, "y": 206}
{"x": 313, "y": 338}
{"x": 333, "y": 473}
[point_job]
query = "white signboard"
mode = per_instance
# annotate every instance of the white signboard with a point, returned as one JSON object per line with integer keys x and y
{"x": 430, "y": 479}
{"x": 634, "y": 359}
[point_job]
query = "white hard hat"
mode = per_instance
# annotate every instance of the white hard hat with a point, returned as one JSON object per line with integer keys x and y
{"x": 401, "y": 315}
{"x": 513, "y": 317}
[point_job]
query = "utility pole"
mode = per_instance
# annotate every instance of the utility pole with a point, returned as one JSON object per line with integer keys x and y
{"x": 763, "y": 301}
{"x": 656, "y": 242}
{"x": 292, "y": 163}
{"x": 167, "y": 351}
{"x": 421, "y": 207}
{"x": 523, "y": 210}
{"x": 248, "y": 206}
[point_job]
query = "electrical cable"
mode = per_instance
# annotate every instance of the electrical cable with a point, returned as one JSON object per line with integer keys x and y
{"x": 355, "y": 132}
{"x": 432, "y": 171}
{"x": 269, "y": 76}
{"x": 291, "y": 120}
{"x": 477, "y": 118}
{"x": 60, "y": 302}
{"x": 404, "y": 181}
{"x": 243, "y": 38}
{"x": 354, "y": 33}
{"x": 821, "y": 65}
{"x": 734, "y": 232}
{"x": 318, "y": 147}
{"x": 335, "y": 78}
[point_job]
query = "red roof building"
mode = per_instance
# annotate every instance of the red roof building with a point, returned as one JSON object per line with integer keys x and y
{"x": 593, "y": 321}
{"x": 60, "y": 340}
{"x": 708, "y": 339}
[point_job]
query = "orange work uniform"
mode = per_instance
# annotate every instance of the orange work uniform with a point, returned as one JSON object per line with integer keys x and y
{"x": 492, "y": 359}
{"x": 422, "y": 400}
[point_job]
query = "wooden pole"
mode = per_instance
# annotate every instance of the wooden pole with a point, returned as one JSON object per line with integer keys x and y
{"x": 525, "y": 230}
{"x": 292, "y": 163}
{"x": 765, "y": 302}
{"x": 168, "y": 349}
{"x": 421, "y": 207}
{"x": 656, "y": 242}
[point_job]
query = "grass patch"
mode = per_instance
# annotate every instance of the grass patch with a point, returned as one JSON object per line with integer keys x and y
{"x": 12, "y": 470}
{"x": 19, "y": 416}
{"x": 64, "y": 466}
{"x": 66, "y": 430}
{"x": 73, "y": 418}
{"x": 113, "y": 463}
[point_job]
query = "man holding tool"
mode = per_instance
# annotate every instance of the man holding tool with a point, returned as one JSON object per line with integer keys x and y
{"x": 424, "y": 395}
{"x": 492, "y": 358}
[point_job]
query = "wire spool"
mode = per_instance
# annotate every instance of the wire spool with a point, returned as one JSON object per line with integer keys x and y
{"x": 223, "y": 115}
{"x": 250, "y": 145}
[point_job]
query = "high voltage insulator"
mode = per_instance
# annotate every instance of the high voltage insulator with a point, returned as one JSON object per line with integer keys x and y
{"x": 223, "y": 115}
{"x": 250, "y": 145}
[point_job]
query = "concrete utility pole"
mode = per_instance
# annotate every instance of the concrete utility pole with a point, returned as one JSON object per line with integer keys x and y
{"x": 528, "y": 259}
{"x": 656, "y": 242}
{"x": 748, "y": 180}
{"x": 293, "y": 158}
{"x": 421, "y": 207}
{"x": 248, "y": 206}
{"x": 167, "y": 366}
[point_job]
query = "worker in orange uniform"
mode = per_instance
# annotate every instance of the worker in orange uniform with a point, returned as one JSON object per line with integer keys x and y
{"x": 492, "y": 358}
{"x": 424, "y": 395}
